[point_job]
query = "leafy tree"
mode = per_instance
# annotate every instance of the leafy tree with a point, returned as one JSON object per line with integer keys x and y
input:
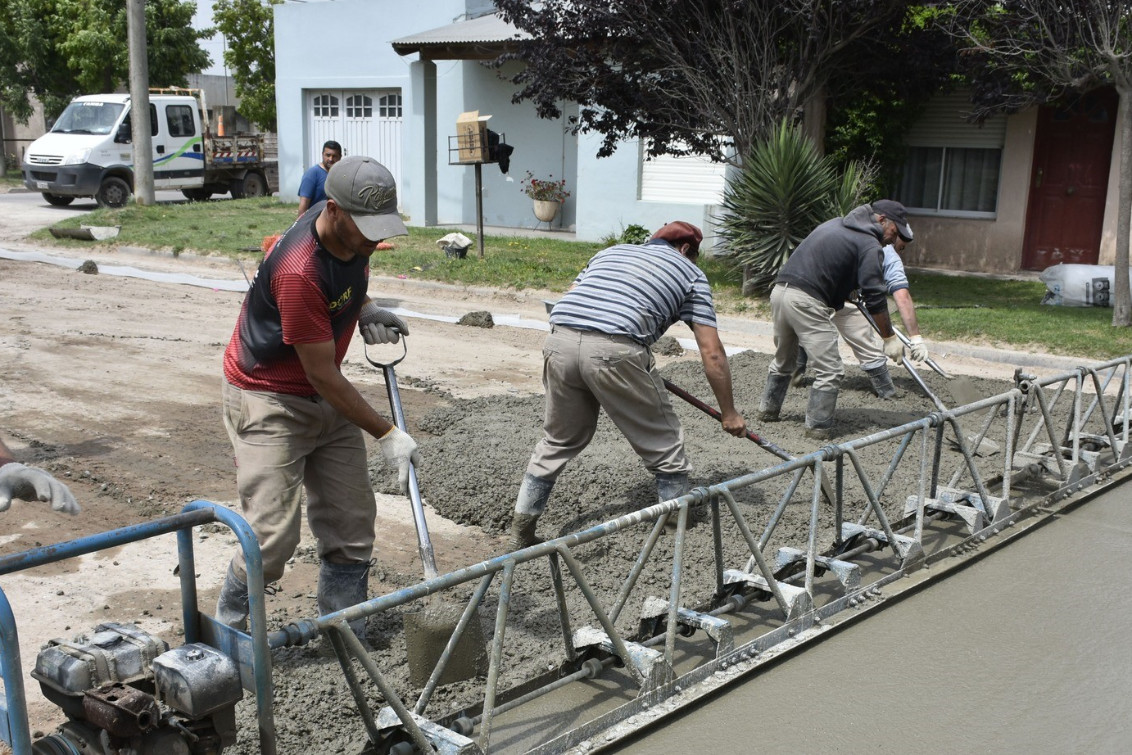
{"x": 57, "y": 49}
{"x": 249, "y": 28}
{"x": 784, "y": 189}
{"x": 1030, "y": 52}
{"x": 688, "y": 75}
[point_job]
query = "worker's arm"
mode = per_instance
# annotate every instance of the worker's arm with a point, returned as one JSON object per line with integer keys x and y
{"x": 907, "y": 309}
{"x": 718, "y": 373}
{"x": 329, "y": 382}
{"x": 304, "y": 205}
{"x": 398, "y": 448}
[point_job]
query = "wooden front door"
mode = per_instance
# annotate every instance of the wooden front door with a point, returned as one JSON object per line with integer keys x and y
{"x": 1069, "y": 181}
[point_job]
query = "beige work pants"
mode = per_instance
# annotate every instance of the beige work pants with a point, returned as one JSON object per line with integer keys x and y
{"x": 860, "y": 336}
{"x": 584, "y": 372}
{"x": 284, "y": 444}
{"x": 800, "y": 319}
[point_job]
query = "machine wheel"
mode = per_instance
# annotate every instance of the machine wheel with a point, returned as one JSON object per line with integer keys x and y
{"x": 252, "y": 185}
{"x": 114, "y": 193}
{"x": 57, "y": 200}
{"x": 197, "y": 195}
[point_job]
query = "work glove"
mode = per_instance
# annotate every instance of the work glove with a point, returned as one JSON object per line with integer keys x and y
{"x": 400, "y": 450}
{"x": 33, "y": 484}
{"x": 918, "y": 348}
{"x": 379, "y": 325}
{"x": 893, "y": 348}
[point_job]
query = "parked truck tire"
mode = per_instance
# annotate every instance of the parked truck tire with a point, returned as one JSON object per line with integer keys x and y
{"x": 253, "y": 184}
{"x": 57, "y": 200}
{"x": 114, "y": 193}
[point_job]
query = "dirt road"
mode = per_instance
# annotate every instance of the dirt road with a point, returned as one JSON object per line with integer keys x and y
{"x": 113, "y": 384}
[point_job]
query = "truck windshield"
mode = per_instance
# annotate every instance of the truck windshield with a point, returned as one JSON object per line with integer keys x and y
{"x": 88, "y": 118}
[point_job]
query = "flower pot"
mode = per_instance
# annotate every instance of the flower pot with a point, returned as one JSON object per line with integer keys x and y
{"x": 546, "y": 210}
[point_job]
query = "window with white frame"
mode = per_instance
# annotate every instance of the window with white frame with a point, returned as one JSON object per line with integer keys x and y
{"x": 688, "y": 179}
{"x": 359, "y": 106}
{"x": 325, "y": 106}
{"x": 389, "y": 106}
{"x": 953, "y": 167}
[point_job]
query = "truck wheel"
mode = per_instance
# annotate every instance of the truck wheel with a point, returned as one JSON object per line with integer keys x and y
{"x": 57, "y": 200}
{"x": 253, "y": 185}
{"x": 197, "y": 195}
{"x": 114, "y": 193}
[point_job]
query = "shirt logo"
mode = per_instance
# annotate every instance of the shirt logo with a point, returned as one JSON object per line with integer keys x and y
{"x": 342, "y": 301}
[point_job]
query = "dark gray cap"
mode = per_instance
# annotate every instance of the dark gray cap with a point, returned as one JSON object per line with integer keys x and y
{"x": 365, "y": 189}
{"x": 895, "y": 212}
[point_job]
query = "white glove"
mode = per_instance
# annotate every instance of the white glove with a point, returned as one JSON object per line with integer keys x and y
{"x": 379, "y": 325}
{"x": 33, "y": 484}
{"x": 893, "y": 349}
{"x": 400, "y": 450}
{"x": 918, "y": 348}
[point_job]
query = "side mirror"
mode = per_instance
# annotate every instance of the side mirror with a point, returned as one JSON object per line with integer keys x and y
{"x": 124, "y": 135}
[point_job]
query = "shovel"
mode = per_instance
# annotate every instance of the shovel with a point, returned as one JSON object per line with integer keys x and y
{"x": 427, "y": 632}
{"x": 760, "y": 441}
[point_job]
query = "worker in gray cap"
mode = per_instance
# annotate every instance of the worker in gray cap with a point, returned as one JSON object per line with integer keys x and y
{"x": 295, "y": 421}
{"x": 837, "y": 257}
{"x": 597, "y": 357}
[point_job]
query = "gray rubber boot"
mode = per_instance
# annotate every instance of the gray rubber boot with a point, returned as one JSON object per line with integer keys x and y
{"x": 819, "y": 413}
{"x": 232, "y": 605}
{"x": 341, "y": 586}
{"x": 773, "y": 396}
{"x": 534, "y": 492}
{"x": 669, "y": 486}
{"x": 882, "y": 382}
{"x": 799, "y": 374}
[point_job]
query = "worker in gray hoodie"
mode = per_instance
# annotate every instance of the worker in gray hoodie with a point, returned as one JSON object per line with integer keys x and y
{"x": 839, "y": 256}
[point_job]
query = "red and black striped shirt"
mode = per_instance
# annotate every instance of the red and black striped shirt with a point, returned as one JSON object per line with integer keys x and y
{"x": 301, "y": 294}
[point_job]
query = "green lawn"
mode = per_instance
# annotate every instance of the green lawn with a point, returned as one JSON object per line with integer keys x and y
{"x": 1001, "y": 313}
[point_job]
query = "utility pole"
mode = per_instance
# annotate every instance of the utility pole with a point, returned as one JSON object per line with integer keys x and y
{"x": 139, "y": 103}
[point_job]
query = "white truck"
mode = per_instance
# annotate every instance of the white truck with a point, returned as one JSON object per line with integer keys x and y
{"x": 88, "y": 152}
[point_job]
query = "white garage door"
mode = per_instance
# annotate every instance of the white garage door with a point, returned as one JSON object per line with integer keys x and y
{"x": 364, "y": 122}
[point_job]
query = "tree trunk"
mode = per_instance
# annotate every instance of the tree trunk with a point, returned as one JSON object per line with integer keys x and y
{"x": 1122, "y": 302}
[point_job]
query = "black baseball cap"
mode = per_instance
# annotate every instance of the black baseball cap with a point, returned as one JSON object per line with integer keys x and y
{"x": 895, "y": 212}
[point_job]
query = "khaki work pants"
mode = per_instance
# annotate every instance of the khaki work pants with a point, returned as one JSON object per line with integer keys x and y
{"x": 800, "y": 319}
{"x": 586, "y": 371}
{"x": 860, "y": 337}
{"x": 284, "y": 444}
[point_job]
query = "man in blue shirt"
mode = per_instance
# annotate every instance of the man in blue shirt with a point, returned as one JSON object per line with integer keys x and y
{"x": 311, "y": 187}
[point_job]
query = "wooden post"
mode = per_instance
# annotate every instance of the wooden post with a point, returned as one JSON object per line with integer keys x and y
{"x": 479, "y": 205}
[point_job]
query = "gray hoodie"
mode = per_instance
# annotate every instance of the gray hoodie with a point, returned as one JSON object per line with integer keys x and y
{"x": 838, "y": 256}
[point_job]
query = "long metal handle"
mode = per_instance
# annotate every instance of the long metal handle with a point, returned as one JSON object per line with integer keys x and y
{"x": 903, "y": 360}
{"x": 428, "y": 559}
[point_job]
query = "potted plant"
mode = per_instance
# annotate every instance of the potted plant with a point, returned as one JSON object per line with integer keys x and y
{"x": 547, "y": 195}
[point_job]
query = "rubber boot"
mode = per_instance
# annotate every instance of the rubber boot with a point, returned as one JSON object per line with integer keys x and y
{"x": 232, "y": 605}
{"x": 819, "y": 413}
{"x": 882, "y": 382}
{"x": 669, "y": 486}
{"x": 799, "y": 374}
{"x": 534, "y": 492}
{"x": 773, "y": 396}
{"x": 341, "y": 586}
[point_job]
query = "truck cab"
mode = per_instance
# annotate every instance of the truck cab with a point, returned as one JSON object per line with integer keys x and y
{"x": 89, "y": 152}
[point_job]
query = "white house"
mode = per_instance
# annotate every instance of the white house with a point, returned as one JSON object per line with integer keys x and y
{"x": 389, "y": 79}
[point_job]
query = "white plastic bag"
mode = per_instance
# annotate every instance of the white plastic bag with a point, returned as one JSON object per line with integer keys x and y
{"x": 1079, "y": 285}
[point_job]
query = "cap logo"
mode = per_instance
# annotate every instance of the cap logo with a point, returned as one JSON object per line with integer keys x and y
{"x": 375, "y": 197}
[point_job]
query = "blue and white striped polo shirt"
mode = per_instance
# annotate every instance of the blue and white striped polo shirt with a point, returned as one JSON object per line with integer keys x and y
{"x": 637, "y": 291}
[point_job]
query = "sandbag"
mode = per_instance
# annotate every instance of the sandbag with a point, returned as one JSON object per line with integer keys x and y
{"x": 1080, "y": 285}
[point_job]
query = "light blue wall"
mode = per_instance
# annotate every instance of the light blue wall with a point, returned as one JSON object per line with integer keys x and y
{"x": 346, "y": 44}
{"x": 343, "y": 44}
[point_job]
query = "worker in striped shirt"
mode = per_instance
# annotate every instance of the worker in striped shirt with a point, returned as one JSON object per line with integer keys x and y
{"x": 597, "y": 357}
